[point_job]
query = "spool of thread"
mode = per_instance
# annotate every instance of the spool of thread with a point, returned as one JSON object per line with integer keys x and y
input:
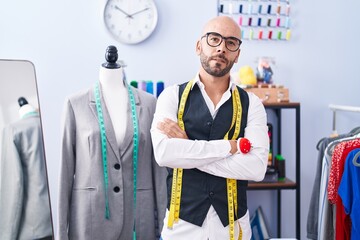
{"x": 269, "y": 22}
{"x": 259, "y": 22}
{"x": 278, "y": 22}
{"x": 269, "y": 9}
{"x": 251, "y": 34}
{"x": 143, "y": 86}
{"x": 159, "y": 88}
{"x": 287, "y": 11}
{"x": 270, "y": 35}
{"x": 230, "y": 8}
{"x": 134, "y": 84}
{"x": 150, "y": 87}
{"x": 288, "y": 34}
{"x": 280, "y": 166}
{"x": 260, "y": 34}
{"x": 279, "y": 35}
{"x": 242, "y": 34}
{"x": 250, "y": 9}
{"x": 249, "y": 21}
{"x": 240, "y": 21}
{"x": 278, "y": 9}
{"x": 240, "y": 8}
{"x": 221, "y": 9}
{"x": 287, "y": 22}
{"x": 259, "y": 9}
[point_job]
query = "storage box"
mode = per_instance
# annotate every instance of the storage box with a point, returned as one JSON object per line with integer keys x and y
{"x": 271, "y": 175}
{"x": 269, "y": 93}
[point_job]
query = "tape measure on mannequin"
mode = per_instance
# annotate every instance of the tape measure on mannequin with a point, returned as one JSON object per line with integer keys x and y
{"x": 104, "y": 147}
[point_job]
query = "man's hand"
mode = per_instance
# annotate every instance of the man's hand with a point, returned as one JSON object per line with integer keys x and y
{"x": 233, "y": 144}
{"x": 171, "y": 129}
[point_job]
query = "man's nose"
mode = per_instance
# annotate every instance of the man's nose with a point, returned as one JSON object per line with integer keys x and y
{"x": 222, "y": 47}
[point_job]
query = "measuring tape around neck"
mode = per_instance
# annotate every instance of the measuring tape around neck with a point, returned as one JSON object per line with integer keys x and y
{"x": 174, "y": 210}
{"x": 104, "y": 149}
{"x": 32, "y": 113}
{"x": 231, "y": 184}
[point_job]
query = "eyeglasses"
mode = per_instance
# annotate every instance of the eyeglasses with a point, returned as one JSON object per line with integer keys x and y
{"x": 214, "y": 39}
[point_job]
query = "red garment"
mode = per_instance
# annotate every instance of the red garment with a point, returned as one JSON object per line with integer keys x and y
{"x": 343, "y": 221}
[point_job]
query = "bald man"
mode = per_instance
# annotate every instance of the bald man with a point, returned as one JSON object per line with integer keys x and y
{"x": 195, "y": 131}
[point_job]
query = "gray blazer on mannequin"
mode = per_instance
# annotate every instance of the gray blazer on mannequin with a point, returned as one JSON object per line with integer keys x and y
{"x": 24, "y": 198}
{"x": 82, "y": 188}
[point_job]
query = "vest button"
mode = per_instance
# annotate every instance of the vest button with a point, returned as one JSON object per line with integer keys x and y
{"x": 209, "y": 124}
{"x": 117, "y": 166}
{"x": 211, "y": 194}
{"x": 116, "y": 189}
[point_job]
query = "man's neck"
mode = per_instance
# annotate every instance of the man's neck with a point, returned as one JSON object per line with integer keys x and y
{"x": 215, "y": 87}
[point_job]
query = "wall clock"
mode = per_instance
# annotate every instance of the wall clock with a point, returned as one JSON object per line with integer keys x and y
{"x": 130, "y": 21}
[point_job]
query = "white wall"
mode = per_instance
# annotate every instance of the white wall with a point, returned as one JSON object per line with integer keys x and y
{"x": 66, "y": 41}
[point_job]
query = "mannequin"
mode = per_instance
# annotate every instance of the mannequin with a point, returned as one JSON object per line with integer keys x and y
{"x": 100, "y": 174}
{"x": 25, "y": 108}
{"x": 114, "y": 92}
{"x": 24, "y": 198}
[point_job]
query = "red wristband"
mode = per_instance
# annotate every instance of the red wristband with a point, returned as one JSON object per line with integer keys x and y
{"x": 243, "y": 145}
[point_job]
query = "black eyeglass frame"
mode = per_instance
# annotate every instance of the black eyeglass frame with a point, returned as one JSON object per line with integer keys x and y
{"x": 222, "y": 39}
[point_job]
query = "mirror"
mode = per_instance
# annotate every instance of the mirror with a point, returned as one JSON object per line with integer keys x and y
{"x": 24, "y": 194}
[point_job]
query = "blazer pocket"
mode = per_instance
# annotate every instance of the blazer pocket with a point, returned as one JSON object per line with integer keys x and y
{"x": 84, "y": 188}
{"x": 81, "y": 212}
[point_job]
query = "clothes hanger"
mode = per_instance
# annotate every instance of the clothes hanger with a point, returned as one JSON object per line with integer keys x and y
{"x": 355, "y": 162}
{"x": 319, "y": 143}
{"x": 357, "y": 135}
{"x": 339, "y": 140}
{"x": 355, "y": 131}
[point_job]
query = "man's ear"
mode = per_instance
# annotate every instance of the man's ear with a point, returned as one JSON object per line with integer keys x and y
{"x": 198, "y": 47}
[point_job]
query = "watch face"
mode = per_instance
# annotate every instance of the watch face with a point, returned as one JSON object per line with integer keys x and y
{"x": 130, "y": 21}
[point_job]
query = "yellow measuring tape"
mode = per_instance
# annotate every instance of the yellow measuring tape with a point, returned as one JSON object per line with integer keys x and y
{"x": 174, "y": 211}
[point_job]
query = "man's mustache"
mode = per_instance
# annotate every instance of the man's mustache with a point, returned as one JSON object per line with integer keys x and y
{"x": 222, "y": 56}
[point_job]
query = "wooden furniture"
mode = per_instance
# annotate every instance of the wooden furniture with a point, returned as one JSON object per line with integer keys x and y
{"x": 287, "y": 184}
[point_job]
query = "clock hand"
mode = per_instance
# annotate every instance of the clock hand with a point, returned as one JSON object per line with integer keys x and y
{"x": 145, "y": 9}
{"x": 127, "y": 15}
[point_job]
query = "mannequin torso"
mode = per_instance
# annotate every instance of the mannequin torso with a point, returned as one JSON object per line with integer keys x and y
{"x": 109, "y": 212}
{"x": 116, "y": 99}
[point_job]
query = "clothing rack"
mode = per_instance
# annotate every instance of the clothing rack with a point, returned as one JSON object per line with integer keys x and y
{"x": 336, "y": 108}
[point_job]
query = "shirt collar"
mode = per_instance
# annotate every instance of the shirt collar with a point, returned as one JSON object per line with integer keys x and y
{"x": 232, "y": 83}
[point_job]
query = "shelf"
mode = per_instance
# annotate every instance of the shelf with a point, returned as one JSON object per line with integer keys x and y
{"x": 277, "y": 108}
{"x": 287, "y": 184}
{"x": 281, "y": 105}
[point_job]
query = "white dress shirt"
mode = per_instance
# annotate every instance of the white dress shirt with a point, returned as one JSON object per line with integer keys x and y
{"x": 212, "y": 157}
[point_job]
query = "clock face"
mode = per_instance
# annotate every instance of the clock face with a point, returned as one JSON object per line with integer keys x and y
{"x": 130, "y": 21}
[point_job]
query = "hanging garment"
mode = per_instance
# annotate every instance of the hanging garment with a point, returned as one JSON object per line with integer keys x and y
{"x": 341, "y": 151}
{"x": 313, "y": 213}
{"x": 349, "y": 191}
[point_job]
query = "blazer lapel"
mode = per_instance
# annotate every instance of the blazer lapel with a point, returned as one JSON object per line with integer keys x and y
{"x": 128, "y": 141}
{"x": 110, "y": 135}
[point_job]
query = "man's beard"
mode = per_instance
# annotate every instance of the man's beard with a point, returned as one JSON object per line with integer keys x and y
{"x": 216, "y": 71}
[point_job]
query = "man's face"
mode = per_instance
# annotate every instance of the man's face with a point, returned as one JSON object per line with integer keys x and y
{"x": 217, "y": 64}
{"x": 217, "y": 60}
{"x": 219, "y": 35}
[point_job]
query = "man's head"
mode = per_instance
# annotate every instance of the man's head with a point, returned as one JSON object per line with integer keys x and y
{"x": 219, "y": 46}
